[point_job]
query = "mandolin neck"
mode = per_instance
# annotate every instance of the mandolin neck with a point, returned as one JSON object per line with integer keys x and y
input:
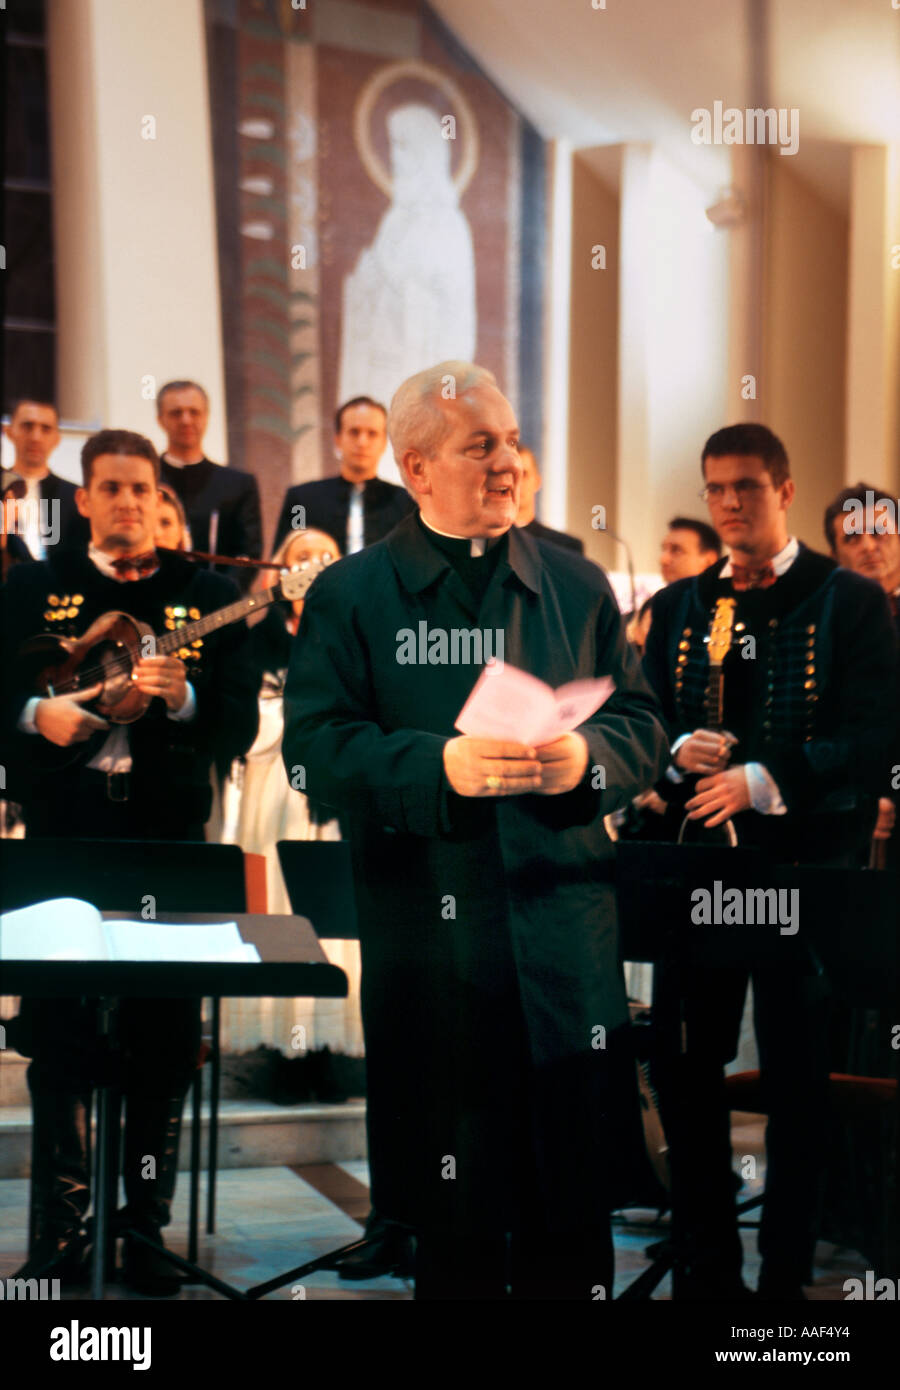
{"x": 169, "y": 642}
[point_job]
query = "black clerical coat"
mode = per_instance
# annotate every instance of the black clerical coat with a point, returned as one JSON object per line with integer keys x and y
{"x": 207, "y": 488}
{"x": 490, "y": 967}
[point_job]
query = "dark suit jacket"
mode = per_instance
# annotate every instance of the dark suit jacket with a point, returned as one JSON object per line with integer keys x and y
{"x": 546, "y": 533}
{"x": 527, "y": 938}
{"x": 327, "y": 502}
{"x": 208, "y": 487}
{"x": 74, "y": 529}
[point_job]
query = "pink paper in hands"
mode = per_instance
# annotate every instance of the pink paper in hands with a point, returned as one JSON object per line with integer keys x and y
{"x": 510, "y": 704}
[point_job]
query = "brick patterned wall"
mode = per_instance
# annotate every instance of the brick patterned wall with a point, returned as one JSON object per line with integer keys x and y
{"x": 284, "y": 87}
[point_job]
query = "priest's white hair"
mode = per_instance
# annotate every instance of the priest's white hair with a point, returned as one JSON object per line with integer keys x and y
{"x": 416, "y": 419}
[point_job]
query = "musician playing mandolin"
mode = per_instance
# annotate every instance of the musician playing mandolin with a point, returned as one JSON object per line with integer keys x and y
{"x": 775, "y": 670}
{"x": 78, "y": 770}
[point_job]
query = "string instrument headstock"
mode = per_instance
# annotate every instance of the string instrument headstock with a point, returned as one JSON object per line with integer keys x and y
{"x": 720, "y": 630}
{"x": 295, "y": 582}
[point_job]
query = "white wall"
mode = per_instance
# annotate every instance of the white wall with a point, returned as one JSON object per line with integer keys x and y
{"x": 673, "y": 346}
{"x": 135, "y": 238}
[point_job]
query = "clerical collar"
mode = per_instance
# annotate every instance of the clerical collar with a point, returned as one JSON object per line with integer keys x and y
{"x": 104, "y": 564}
{"x": 780, "y": 563}
{"x": 31, "y": 480}
{"x": 478, "y": 544}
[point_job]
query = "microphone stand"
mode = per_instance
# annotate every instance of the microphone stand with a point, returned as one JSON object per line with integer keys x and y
{"x": 630, "y": 560}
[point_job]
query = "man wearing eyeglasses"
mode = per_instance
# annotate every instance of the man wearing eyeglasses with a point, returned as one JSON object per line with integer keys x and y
{"x": 862, "y": 535}
{"x": 797, "y": 766}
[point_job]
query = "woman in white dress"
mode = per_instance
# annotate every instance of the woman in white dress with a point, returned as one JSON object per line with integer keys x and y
{"x": 261, "y": 808}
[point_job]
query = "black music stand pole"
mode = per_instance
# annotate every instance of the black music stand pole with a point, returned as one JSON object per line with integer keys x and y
{"x": 106, "y": 1011}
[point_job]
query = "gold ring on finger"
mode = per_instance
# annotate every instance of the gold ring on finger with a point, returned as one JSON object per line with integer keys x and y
{"x": 493, "y": 782}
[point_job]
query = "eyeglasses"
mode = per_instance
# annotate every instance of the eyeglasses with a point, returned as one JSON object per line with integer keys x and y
{"x": 745, "y": 490}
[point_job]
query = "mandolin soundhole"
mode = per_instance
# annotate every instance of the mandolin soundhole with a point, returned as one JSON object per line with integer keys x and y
{"x": 116, "y": 682}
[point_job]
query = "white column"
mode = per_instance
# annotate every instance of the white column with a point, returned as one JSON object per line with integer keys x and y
{"x": 746, "y": 285}
{"x": 633, "y": 432}
{"x": 673, "y": 348}
{"x": 134, "y": 209}
{"x": 873, "y": 317}
{"x": 554, "y": 463}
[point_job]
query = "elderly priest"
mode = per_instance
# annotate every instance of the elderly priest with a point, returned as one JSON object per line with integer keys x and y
{"x": 493, "y": 1000}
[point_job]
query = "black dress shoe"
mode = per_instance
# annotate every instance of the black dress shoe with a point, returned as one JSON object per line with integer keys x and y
{"x": 146, "y": 1271}
{"x": 390, "y": 1251}
{"x": 63, "y": 1257}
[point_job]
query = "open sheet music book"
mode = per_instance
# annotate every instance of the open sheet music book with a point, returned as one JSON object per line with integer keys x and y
{"x": 69, "y": 929}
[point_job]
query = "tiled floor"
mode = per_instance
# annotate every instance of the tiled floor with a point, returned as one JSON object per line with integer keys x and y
{"x": 271, "y": 1219}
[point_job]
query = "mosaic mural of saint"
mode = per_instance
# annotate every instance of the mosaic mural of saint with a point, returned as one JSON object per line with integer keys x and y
{"x": 410, "y": 300}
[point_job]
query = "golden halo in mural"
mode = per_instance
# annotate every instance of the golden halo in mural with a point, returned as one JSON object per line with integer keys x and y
{"x": 425, "y": 72}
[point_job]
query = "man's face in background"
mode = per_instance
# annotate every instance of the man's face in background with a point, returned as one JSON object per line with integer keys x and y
{"x": 361, "y": 441}
{"x": 682, "y": 555}
{"x": 874, "y": 552}
{"x": 184, "y": 416}
{"x": 529, "y": 486}
{"x": 34, "y": 434}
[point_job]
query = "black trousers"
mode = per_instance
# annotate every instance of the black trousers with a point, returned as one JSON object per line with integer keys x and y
{"x": 791, "y": 1014}
{"x": 535, "y": 1257}
{"x": 157, "y": 1041}
{"x": 87, "y": 804}
{"x": 156, "y": 1053}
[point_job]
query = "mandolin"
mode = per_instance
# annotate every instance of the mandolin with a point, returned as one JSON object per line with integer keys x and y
{"x": 110, "y": 649}
{"x": 721, "y": 631}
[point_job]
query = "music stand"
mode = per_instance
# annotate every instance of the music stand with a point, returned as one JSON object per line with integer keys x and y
{"x": 292, "y": 963}
{"x": 654, "y": 886}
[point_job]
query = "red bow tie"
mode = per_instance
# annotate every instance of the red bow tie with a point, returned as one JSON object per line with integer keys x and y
{"x": 745, "y": 577}
{"x": 135, "y": 566}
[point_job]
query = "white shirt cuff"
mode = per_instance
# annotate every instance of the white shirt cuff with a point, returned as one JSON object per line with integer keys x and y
{"x": 26, "y": 718}
{"x": 188, "y": 709}
{"x": 672, "y": 772}
{"x": 764, "y": 794}
{"x": 181, "y": 716}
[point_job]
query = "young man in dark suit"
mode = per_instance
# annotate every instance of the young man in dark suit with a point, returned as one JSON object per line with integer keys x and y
{"x": 493, "y": 1000}
{"x": 221, "y": 503}
{"x": 809, "y": 718}
{"x": 526, "y": 518}
{"x": 356, "y": 507}
{"x": 862, "y": 534}
{"x": 77, "y": 774}
{"x": 47, "y": 515}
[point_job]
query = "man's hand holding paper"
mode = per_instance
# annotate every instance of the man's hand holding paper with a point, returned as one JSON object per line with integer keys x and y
{"x": 519, "y": 735}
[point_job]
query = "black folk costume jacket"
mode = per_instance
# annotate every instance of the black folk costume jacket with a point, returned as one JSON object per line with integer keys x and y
{"x": 171, "y": 759}
{"x": 813, "y": 700}
{"x": 488, "y": 926}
